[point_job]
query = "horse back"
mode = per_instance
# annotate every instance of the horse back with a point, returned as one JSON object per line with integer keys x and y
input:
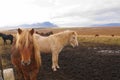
{"x": 10, "y": 36}
{"x": 45, "y": 44}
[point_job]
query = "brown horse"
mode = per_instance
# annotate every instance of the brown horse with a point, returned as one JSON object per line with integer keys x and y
{"x": 45, "y": 34}
{"x": 25, "y": 55}
{"x": 112, "y": 35}
{"x": 97, "y": 35}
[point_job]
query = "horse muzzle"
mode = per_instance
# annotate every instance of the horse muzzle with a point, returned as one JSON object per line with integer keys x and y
{"x": 25, "y": 63}
{"x": 74, "y": 45}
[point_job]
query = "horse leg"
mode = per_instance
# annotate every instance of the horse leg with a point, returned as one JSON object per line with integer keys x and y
{"x": 11, "y": 41}
{"x": 54, "y": 61}
{"x": 5, "y": 42}
{"x": 33, "y": 74}
{"x": 19, "y": 73}
{"x": 57, "y": 56}
{"x": 26, "y": 75}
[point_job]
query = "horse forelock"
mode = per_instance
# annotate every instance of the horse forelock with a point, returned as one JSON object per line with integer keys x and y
{"x": 23, "y": 39}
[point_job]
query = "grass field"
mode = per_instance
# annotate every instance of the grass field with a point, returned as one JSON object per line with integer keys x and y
{"x": 108, "y": 40}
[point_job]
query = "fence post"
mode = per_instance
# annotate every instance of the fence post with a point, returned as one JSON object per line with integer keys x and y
{"x": 8, "y": 74}
{"x": 1, "y": 69}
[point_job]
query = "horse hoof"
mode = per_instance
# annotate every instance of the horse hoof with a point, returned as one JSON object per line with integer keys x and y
{"x": 54, "y": 69}
{"x": 58, "y": 67}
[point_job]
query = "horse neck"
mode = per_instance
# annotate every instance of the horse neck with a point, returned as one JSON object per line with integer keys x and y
{"x": 64, "y": 38}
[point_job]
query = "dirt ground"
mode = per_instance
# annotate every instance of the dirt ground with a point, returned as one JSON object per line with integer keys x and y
{"x": 81, "y": 63}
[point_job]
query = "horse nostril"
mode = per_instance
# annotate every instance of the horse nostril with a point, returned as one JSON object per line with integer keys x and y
{"x": 28, "y": 62}
{"x": 25, "y": 63}
{"x": 22, "y": 62}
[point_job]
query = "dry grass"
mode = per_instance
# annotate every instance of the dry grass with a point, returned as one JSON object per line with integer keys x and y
{"x": 88, "y": 31}
{"x": 4, "y": 53}
{"x": 86, "y": 35}
{"x": 107, "y": 40}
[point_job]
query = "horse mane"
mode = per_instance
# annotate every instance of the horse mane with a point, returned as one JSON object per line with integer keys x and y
{"x": 36, "y": 49}
{"x": 66, "y": 33}
{"x": 24, "y": 37}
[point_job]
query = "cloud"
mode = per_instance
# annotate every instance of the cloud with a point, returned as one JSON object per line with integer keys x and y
{"x": 43, "y": 3}
{"x": 61, "y": 12}
{"x": 102, "y": 11}
{"x": 15, "y": 12}
{"x": 106, "y": 14}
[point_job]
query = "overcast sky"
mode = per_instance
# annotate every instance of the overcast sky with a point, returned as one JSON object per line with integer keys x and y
{"x": 60, "y": 12}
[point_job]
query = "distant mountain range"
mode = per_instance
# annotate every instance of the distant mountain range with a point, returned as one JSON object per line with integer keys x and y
{"x": 34, "y": 25}
{"x": 108, "y": 25}
{"x": 38, "y": 25}
{"x": 52, "y": 25}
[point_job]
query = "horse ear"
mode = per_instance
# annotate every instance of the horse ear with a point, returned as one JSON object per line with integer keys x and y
{"x": 32, "y": 31}
{"x": 19, "y": 30}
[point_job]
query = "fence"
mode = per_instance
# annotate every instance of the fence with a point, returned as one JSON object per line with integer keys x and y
{"x": 6, "y": 74}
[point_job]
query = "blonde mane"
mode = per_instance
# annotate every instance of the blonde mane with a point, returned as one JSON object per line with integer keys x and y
{"x": 63, "y": 34}
{"x": 37, "y": 50}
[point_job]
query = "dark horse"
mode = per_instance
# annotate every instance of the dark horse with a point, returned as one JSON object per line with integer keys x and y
{"x": 25, "y": 55}
{"x": 7, "y": 37}
{"x": 45, "y": 34}
{"x": 97, "y": 35}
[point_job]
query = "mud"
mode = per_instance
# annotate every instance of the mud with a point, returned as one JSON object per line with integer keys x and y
{"x": 81, "y": 63}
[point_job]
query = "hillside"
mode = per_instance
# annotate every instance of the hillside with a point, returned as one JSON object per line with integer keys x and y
{"x": 38, "y": 25}
{"x": 107, "y": 25}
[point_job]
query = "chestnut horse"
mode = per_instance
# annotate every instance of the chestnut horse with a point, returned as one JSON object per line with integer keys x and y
{"x": 55, "y": 43}
{"x": 25, "y": 55}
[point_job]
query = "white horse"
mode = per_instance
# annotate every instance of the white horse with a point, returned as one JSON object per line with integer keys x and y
{"x": 55, "y": 43}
